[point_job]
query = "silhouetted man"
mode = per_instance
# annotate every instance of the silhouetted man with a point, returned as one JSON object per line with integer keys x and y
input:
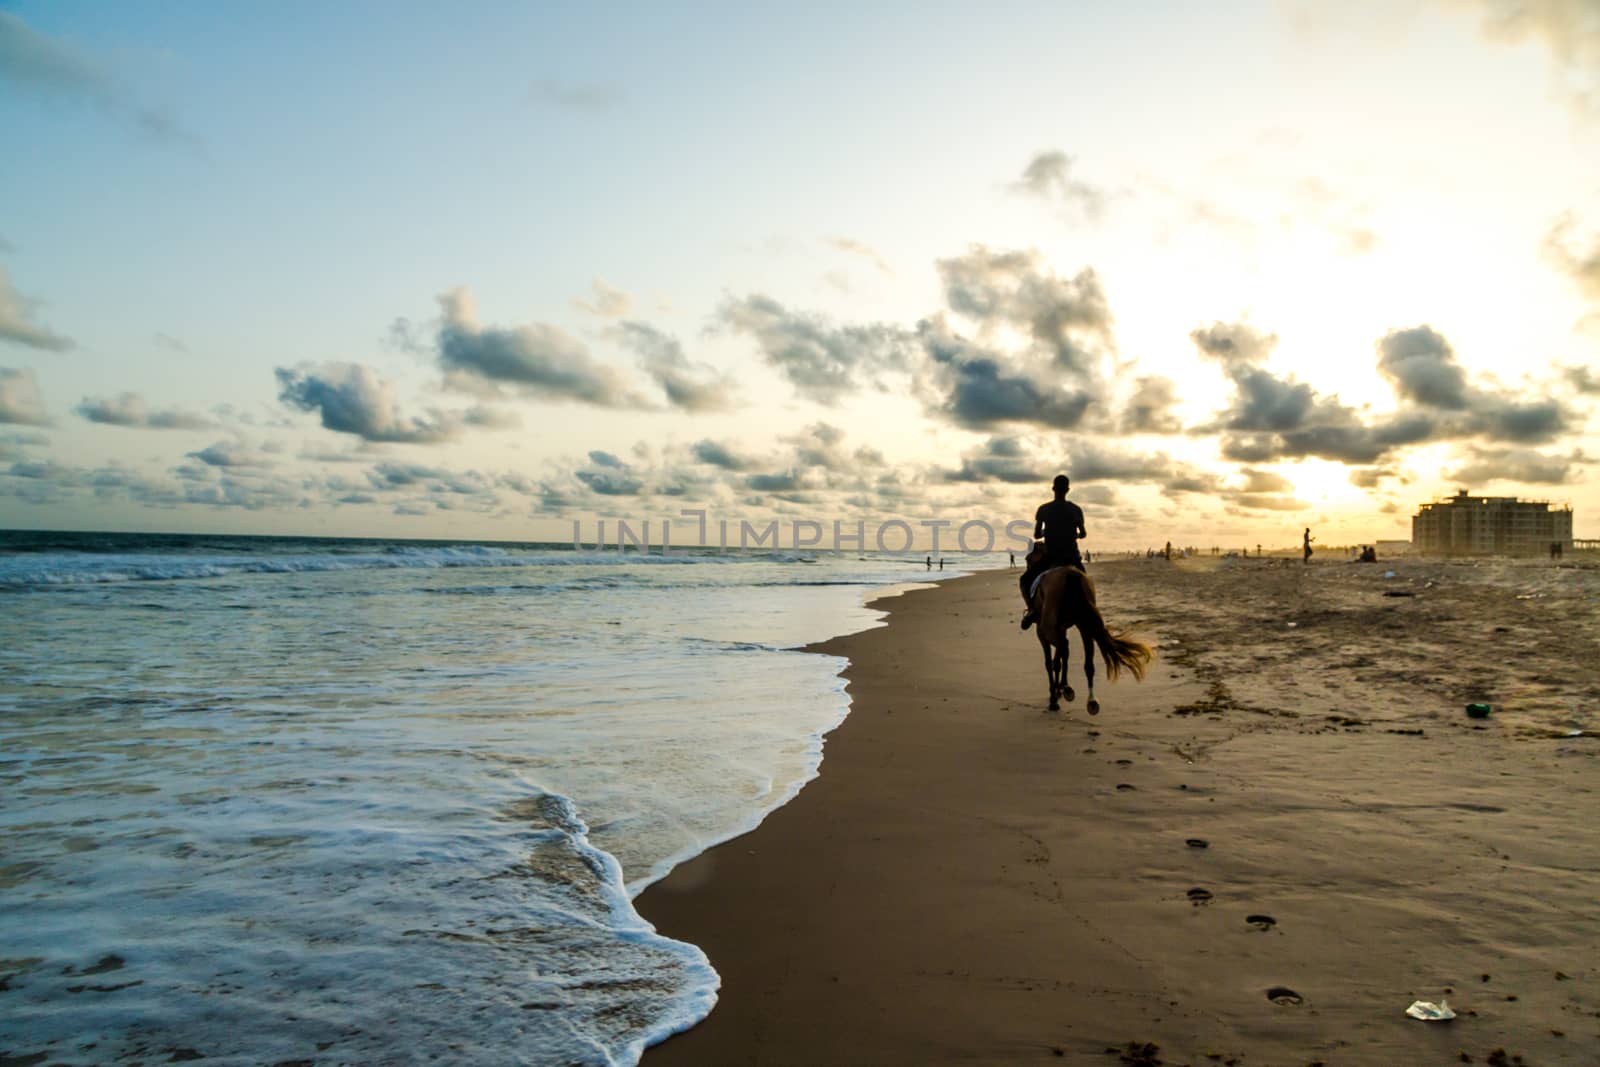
{"x": 1060, "y": 523}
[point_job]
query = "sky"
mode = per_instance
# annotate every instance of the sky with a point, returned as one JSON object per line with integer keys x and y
{"x": 398, "y": 270}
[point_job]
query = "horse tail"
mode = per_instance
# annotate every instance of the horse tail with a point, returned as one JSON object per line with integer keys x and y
{"x": 1118, "y": 650}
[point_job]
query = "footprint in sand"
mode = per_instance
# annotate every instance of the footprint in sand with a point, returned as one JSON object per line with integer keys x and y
{"x": 1124, "y": 763}
{"x": 1261, "y": 922}
{"x": 1198, "y": 896}
{"x": 1197, "y": 842}
{"x": 1124, "y": 787}
{"x": 1282, "y": 994}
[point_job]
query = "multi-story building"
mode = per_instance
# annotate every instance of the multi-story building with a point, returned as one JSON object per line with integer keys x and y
{"x": 1466, "y": 525}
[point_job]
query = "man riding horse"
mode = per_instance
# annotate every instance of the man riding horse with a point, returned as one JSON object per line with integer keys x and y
{"x": 1060, "y": 523}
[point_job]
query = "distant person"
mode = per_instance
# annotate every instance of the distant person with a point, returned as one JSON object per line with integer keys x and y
{"x": 1307, "y": 549}
{"x": 1168, "y": 550}
{"x": 930, "y": 563}
{"x": 1013, "y": 561}
{"x": 941, "y": 563}
{"x": 1060, "y": 523}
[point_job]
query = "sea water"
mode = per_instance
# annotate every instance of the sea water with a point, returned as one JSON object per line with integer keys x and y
{"x": 271, "y": 800}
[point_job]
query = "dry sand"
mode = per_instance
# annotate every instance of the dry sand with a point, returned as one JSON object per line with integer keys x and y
{"x": 974, "y": 879}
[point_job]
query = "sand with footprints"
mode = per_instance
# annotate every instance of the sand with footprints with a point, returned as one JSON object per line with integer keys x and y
{"x": 1261, "y": 855}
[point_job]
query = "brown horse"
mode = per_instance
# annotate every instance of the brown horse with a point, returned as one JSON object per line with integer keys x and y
{"x": 1064, "y": 598}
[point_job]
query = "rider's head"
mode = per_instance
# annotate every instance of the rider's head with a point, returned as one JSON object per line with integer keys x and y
{"x": 1061, "y": 484}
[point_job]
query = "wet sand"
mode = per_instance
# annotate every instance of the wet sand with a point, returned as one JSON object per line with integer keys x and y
{"x": 1260, "y": 855}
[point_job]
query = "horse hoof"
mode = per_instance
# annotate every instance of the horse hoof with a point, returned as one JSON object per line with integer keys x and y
{"x": 1094, "y": 707}
{"x": 1055, "y": 705}
{"x": 1070, "y": 695}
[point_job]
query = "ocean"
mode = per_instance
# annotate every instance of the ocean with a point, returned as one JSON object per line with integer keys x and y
{"x": 273, "y": 800}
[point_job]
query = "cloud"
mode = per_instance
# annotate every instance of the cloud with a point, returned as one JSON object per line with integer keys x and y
{"x": 864, "y": 251}
{"x": 822, "y": 361}
{"x": 45, "y": 65}
{"x": 541, "y": 360}
{"x": 1516, "y": 465}
{"x": 978, "y": 388}
{"x": 609, "y": 302}
{"x": 1423, "y": 369}
{"x": 1273, "y": 418}
{"x": 1048, "y": 176}
{"x": 19, "y": 397}
{"x": 1234, "y": 343}
{"x": 591, "y": 98}
{"x": 1582, "y": 379}
{"x": 129, "y": 409}
{"x": 231, "y": 454}
{"x": 1149, "y": 409}
{"x": 694, "y": 387}
{"x": 1001, "y": 459}
{"x": 351, "y": 398}
{"x": 1570, "y": 29}
{"x": 1067, "y": 318}
{"x": 720, "y": 455}
{"x": 16, "y": 316}
{"x": 1564, "y": 248}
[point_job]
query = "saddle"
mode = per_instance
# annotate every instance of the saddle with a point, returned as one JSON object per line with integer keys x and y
{"x": 1033, "y": 590}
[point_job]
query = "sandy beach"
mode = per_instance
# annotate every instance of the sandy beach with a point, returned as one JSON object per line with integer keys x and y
{"x": 1260, "y": 855}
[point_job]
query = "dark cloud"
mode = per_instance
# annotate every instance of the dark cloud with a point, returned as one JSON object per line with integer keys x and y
{"x": 610, "y": 482}
{"x": 719, "y": 455}
{"x": 1234, "y": 344}
{"x": 542, "y": 360}
{"x": 782, "y": 482}
{"x": 41, "y": 483}
{"x": 1091, "y": 460}
{"x": 1582, "y": 379}
{"x": 129, "y": 409}
{"x": 694, "y": 387}
{"x": 1149, "y": 409}
{"x": 1068, "y": 318}
{"x": 37, "y": 63}
{"x": 1423, "y": 368}
{"x": 351, "y": 398}
{"x": 1049, "y": 176}
{"x": 14, "y": 446}
{"x": 1274, "y": 418}
{"x": 978, "y": 388}
{"x": 231, "y": 454}
{"x": 16, "y": 316}
{"x": 1001, "y": 459}
{"x": 19, "y": 397}
{"x": 1516, "y": 465}
{"x": 822, "y": 361}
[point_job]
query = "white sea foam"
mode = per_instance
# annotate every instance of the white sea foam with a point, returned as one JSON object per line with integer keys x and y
{"x": 377, "y": 813}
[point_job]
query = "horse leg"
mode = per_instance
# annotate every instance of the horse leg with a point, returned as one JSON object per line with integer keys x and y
{"x": 1088, "y": 669}
{"x": 1063, "y": 659}
{"x": 1050, "y": 673}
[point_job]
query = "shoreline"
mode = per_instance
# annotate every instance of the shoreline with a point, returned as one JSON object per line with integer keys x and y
{"x": 970, "y": 878}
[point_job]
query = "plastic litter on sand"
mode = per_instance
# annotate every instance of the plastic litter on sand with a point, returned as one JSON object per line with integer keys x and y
{"x": 1428, "y": 1011}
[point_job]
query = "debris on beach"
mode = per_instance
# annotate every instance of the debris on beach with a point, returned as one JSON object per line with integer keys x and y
{"x": 1428, "y": 1011}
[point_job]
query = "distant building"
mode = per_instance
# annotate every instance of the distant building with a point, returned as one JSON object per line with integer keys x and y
{"x": 1466, "y": 525}
{"x": 1393, "y": 548}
